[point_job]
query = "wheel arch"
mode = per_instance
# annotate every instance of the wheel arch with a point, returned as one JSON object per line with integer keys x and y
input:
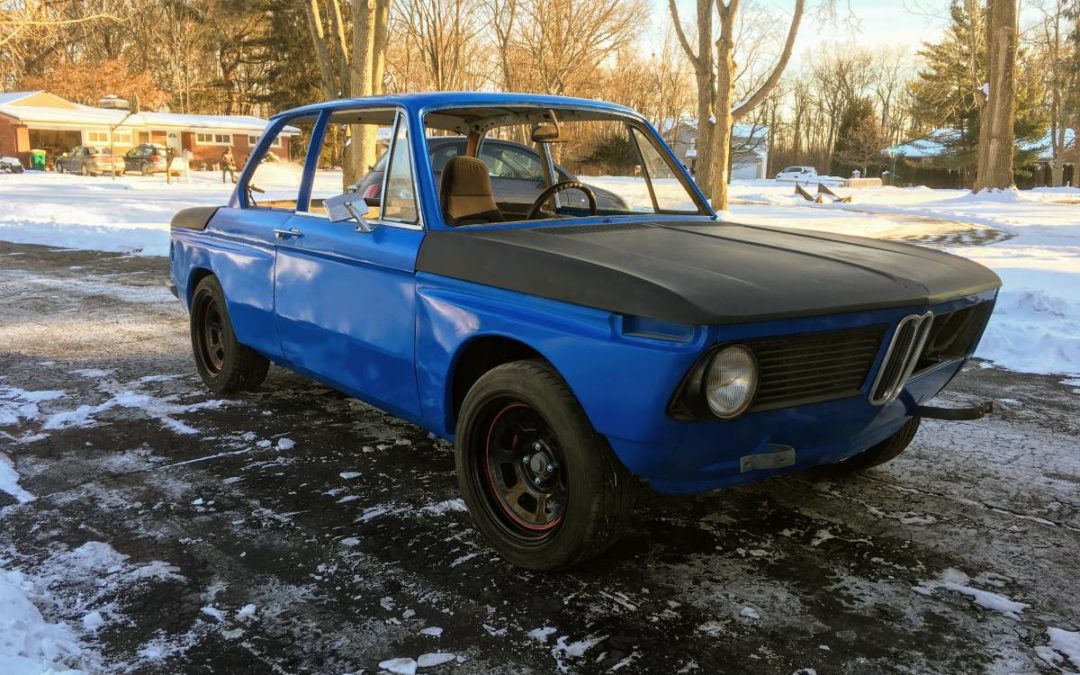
{"x": 196, "y": 275}
{"x": 476, "y": 356}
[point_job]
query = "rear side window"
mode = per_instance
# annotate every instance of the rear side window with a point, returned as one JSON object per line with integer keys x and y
{"x": 275, "y": 182}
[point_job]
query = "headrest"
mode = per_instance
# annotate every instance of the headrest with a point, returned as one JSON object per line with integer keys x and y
{"x": 465, "y": 192}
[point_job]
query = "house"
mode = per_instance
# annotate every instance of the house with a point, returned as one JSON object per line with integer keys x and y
{"x": 749, "y": 143}
{"x": 923, "y": 157}
{"x": 32, "y": 120}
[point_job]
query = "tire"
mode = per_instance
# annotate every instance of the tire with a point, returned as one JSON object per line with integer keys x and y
{"x": 590, "y": 494}
{"x": 146, "y": 170}
{"x": 224, "y": 364}
{"x": 884, "y": 451}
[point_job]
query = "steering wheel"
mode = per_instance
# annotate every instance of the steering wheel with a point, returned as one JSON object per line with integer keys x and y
{"x": 560, "y": 187}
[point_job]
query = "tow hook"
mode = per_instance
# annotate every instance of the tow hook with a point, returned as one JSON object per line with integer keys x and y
{"x": 956, "y": 414}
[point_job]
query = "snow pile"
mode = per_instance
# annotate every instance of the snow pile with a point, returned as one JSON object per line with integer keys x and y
{"x": 30, "y": 645}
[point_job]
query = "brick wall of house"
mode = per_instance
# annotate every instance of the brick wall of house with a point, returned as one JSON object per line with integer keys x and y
{"x": 14, "y": 140}
{"x": 207, "y": 155}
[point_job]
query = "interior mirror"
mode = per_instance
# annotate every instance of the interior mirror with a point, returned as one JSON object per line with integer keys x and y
{"x": 546, "y": 133}
{"x": 348, "y": 206}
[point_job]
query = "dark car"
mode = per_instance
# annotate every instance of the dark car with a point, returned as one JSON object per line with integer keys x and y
{"x": 150, "y": 158}
{"x": 89, "y": 161}
{"x": 568, "y": 352}
{"x": 515, "y": 170}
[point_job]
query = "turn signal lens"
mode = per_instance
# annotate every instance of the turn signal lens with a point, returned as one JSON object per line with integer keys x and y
{"x": 731, "y": 381}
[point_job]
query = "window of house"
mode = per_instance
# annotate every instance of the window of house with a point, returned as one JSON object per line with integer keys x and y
{"x": 213, "y": 139}
{"x": 95, "y": 137}
{"x": 254, "y": 140}
{"x": 275, "y": 182}
{"x": 122, "y": 137}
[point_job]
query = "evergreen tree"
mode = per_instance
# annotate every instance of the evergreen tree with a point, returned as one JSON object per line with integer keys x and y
{"x": 948, "y": 94}
{"x": 860, "y": 140}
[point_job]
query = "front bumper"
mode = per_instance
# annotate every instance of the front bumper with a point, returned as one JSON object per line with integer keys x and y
{"x": 707, "y": 454}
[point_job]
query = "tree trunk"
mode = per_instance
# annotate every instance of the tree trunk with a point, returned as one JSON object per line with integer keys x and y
{"x": 996, "y": 135}
{"x": 725, "y": 118}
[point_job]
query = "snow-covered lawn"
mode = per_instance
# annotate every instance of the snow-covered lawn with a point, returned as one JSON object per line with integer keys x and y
{"x": 1030, "y": 238}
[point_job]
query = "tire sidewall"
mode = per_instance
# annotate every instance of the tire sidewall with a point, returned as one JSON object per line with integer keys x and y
{"x": 578, "y": 443}
{"x": 210, "y": 289}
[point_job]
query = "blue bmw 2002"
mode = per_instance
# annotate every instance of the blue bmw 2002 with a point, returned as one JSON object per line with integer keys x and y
{"x": 565, "y": 348}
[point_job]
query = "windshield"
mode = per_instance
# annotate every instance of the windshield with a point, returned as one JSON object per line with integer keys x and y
{"x": 614, "y": 164}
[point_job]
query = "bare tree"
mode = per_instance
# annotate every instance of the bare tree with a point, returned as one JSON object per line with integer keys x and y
{"x": 719, "y": 68}
{"x": 443, "y": 34}
{"x": 996, "y": 134}
{"x": 1052, "y": 40}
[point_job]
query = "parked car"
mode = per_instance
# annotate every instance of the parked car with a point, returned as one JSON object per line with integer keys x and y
{"x": 89, "y": 161}
{"x": 570, "y": 351}
{"x": 10, "y": 165}
{"x": 799, "y": 174}
{"x": 150, "y": 158}
{"x": 514, "y": 170}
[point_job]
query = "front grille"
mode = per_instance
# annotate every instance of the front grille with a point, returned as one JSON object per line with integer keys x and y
{"x": 954, "y": 335}
{"x": 904, "y": 350}
{"x": 813, "y": 367}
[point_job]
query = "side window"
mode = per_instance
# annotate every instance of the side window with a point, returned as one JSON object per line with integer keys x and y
{"x": 347, "y": 158}
{"x": 510, "y": 162}
{"x": 400, "y": 195}
{"x": 275, "y": 182}
{"x": 444, "y": 154}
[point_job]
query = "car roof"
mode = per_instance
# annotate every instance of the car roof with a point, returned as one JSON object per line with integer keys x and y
{"x": 461, "y": 99}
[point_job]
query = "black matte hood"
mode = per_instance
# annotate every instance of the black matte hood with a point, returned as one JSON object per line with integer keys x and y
{"x": 703, "y": 273}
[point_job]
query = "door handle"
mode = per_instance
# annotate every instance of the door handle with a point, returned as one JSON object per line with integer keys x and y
{"x": 291, "y": 232}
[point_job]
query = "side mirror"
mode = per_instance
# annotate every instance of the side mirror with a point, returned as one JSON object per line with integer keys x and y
{"x": 347, "y": 207}
{"x": 373, "y": 202}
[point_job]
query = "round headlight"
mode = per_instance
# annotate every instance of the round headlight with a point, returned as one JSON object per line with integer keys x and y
{"x": 731, "y": 381}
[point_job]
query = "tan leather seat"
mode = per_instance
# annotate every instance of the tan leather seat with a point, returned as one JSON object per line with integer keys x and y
{"x": 465, "y": 193}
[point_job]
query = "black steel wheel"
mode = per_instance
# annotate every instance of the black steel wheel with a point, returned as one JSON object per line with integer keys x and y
{"x": 224, "y": 364}
{"x": 542, "y": 486}
{"x": 525, "y": 470}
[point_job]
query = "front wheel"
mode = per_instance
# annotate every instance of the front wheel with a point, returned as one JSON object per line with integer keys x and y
{"x": 542, "y": 486}
{"x": 878, "y": 454}
{"x": 224, "y": 364}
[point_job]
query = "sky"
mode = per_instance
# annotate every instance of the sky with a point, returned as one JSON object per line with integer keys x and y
{"x": 866, "y": 22}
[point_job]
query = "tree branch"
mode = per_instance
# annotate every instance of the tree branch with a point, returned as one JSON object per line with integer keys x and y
{"x": 774, "y": 77}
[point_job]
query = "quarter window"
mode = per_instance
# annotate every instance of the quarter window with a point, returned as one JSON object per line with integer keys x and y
{"x": 400, "y": 199}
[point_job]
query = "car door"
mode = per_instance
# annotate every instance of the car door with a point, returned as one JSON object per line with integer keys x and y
{"x": 345, "y": 299}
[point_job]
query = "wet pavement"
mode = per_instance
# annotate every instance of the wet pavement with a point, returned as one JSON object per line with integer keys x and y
{"x": 342, "y": 525}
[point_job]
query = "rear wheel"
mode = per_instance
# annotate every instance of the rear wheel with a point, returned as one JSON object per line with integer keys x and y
{"x": 876, "y": 455}
{"x": 224, "y": 364}
{"x": 542, "y": 486}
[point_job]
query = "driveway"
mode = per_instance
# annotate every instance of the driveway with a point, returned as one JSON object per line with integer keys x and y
{"x": 295, "y": 530}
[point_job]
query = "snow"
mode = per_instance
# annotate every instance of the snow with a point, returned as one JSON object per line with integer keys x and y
{"x": 955, "y": 580}
{"x": 399, "y": 666}
{"x": 246, "y": 613}
{"x": 286, "y": 444}
{"x": 1030, "y": 238}
{"x": 436, "y": 631}
{"x": 30, "y": 645}
{"x": 1063, "y": 645}
{"x": 349, "y": 475}
{"x": 9, "y": 480}
{"x": 434, "y": 659}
